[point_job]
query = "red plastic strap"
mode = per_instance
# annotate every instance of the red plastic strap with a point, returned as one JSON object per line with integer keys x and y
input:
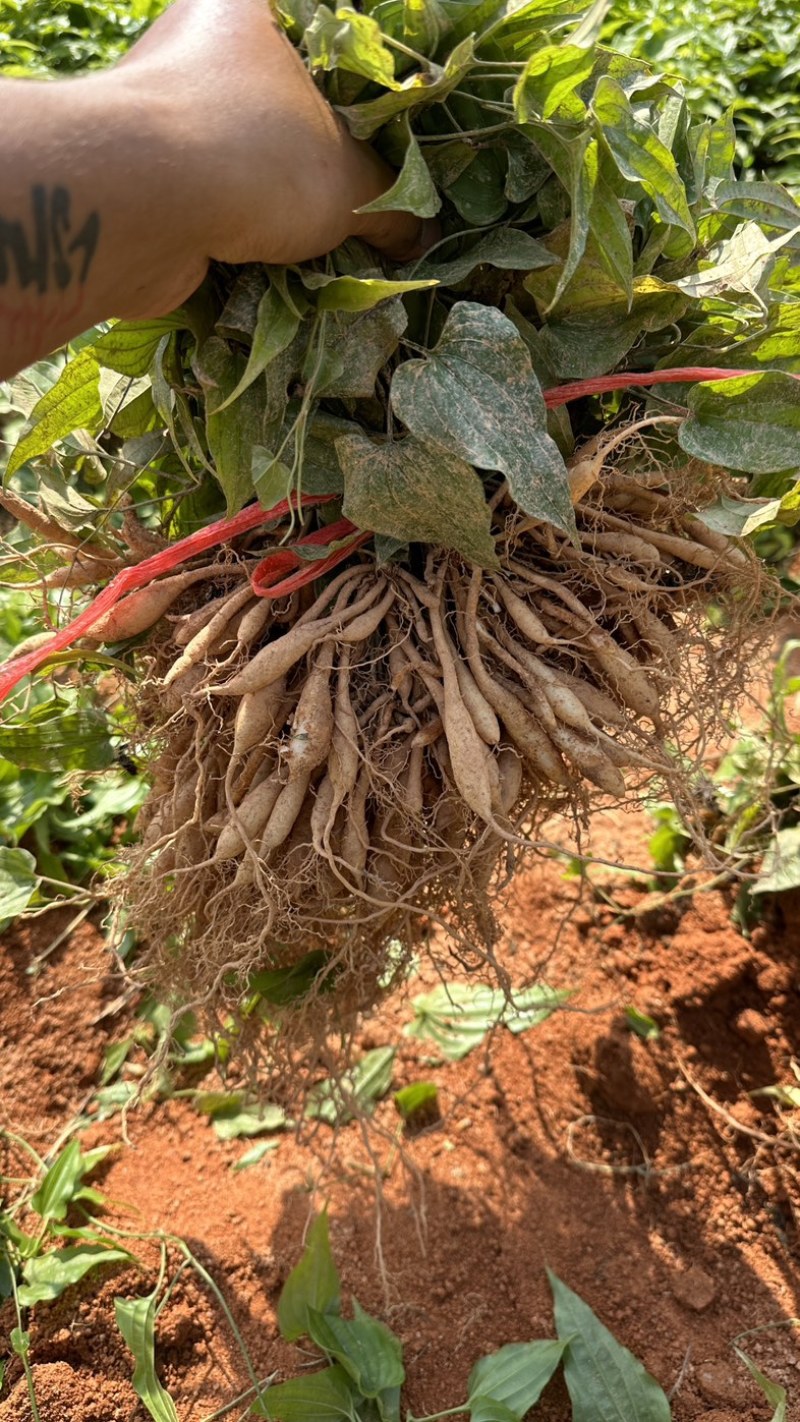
{"x": 604, "y": 384}
{"x": 140, "y": 576}
{"x": 285, "y": 561}
{"x": 269, "y": 578}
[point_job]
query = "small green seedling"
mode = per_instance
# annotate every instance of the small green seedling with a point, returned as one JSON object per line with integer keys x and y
{"x": 418, "y": 1105}
{"x": 363, "y": 1369}
{"x": 645, "y": 1027}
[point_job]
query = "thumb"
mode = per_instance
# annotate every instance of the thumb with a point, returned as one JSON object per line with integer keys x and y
{"x": 399, "y": 235}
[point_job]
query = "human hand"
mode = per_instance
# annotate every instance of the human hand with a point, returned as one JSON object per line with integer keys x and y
{"x": 269, "y": 173}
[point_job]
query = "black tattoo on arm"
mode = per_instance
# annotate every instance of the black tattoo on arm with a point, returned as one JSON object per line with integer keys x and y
{"x": 51, "y": 251}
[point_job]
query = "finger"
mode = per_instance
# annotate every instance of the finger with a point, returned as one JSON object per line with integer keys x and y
{"x": 399, "y": 235}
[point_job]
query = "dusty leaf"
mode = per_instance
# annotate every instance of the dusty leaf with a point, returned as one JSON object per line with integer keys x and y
{"x": 476, "y": 396}
{"x": 507, "y": 248}
{"x": 413, "y": 190}
{"x": 416, "y": 492}
{"x": 365, "y": 341}
{"x": 750, "y": 422}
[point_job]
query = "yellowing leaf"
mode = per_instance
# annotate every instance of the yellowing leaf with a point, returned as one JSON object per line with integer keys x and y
{"x": 424, "y": 87}
{"x": 349, "y": 293}
{"x": 349, "y": 40}
{"x": 73, "y": 403}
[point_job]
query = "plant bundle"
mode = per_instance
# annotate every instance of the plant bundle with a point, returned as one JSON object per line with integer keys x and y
{"x": 476, "y": 509}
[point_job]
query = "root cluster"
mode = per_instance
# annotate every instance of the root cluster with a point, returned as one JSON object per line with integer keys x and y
{"x": 339, "y": 774}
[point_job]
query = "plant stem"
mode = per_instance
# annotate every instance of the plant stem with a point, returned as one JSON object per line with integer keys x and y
{"x": 23, "y": 1353}
{"x": 242, "y": 1397}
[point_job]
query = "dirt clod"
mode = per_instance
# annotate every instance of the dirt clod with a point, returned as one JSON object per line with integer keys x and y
{"x": 695, "y": 1289}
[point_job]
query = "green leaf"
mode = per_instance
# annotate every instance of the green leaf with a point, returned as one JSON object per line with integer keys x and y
{"x": 233, "y": 1122}
{"x": 312, "y": 1284}
{"x": 639, "y": 154}
{"x": 348, "y": 40}
{"x": 114, "y": 1058}
{"x": 136, "y": 1322}
{"x": 130, "y": 346}
{"x": 18, "y": 881}
{"x": 751, "y": 422}
{"x": 368, "y": 1351}
{"x": 54, "y": 738}
{"x": 281, "y": 986}
{"x": 418, "y": 1104}
{"x": 639, "y": 1022}
{"x": 48, "y": 1275}
{"x": 549, "y": 81}
{"x": 488, "y": 1409}
{"x": 605, "y": 1382}
{"x": 416, "y": 492}
{"x": 574, "y": 160}
{"x": 768, "y": 203}
{"x": 780, "y": 867}
{"x": 73, "y": 403}
{"x": 507, "y": 248}
{"x": 515, "y": 1376}
{"x": 233, "y": 433}
{"x": 458, "y": 1016}
{"x": 255, "y": 1154}
{"x": 275, "y": 329}
{"x": 20, "y": 1340}
{"x": 476, "y": 396}
{"x": 339, "y": 1100}
{"x": 62, "y": 1182}
{"x": 316, "y": 1397}
{"x": 348, "y": 293}
{"x": 413, "y": 191}
{"x": 479, "y": 193}
{"x": 773, "y": 1392}
{"x": 424, "y": 87}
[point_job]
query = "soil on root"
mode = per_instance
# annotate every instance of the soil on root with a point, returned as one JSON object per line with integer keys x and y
{"x": 576, "y": 1146}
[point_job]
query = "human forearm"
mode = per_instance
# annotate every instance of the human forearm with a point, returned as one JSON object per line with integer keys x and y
{"x": 208, "y": 141}
{"x": 91, "y": 223}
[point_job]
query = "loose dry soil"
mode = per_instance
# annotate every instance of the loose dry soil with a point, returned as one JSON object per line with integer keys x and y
{"x": 576, "y": 1146}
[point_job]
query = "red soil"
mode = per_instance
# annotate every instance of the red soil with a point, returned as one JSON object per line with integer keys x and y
{"x": 576, "y": 1146}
